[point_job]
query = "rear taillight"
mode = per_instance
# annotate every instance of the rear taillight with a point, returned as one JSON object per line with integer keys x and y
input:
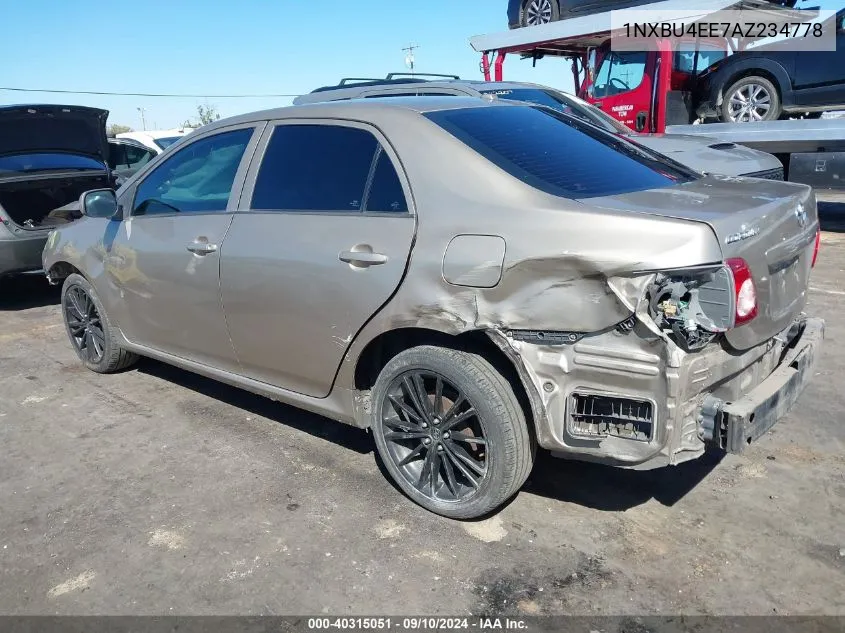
{"x": 745, "y": 291}
{"x": 816, "y": 247}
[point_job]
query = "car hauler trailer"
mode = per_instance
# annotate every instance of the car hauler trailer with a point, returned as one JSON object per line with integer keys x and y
{"x": 811, "y": 150}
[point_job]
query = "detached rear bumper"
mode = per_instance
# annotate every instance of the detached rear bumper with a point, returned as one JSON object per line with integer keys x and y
{"x": 732, "y": 426}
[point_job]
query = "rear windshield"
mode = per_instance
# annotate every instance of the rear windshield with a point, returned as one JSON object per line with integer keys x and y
{"x": 558, "y": 153}
{"x": 561, "y": 103}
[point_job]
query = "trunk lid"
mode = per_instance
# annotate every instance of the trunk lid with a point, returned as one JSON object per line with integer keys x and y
{"x": 27, "y": 129}
{"x": 708, "y": 155}
{"x": 771, "y": 225}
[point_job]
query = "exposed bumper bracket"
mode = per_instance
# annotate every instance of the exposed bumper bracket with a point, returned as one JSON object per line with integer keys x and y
{"x": 734, "y": 425}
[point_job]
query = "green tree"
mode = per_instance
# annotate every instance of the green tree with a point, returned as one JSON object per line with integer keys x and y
{"x": 116, "y": 128}
{"x": 205, "y": 114}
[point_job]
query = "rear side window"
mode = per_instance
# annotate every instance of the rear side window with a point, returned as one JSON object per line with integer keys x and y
{"x": 386, "y": 193}
{"x": 557, "y": 153}
{"x": 326, "y": 168}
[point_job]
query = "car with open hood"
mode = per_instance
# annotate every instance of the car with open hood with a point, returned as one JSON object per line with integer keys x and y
{"x": 703, "y": 154}
{"x": 467, "y": 279}
{"x": 49, "y": 155}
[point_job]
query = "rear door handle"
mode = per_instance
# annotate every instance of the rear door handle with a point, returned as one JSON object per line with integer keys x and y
{"x": 201, "y": 248}
{"x": 362, "y": 258}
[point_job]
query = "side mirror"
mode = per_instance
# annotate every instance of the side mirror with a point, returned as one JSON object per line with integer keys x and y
{"x": 99, "y": 203}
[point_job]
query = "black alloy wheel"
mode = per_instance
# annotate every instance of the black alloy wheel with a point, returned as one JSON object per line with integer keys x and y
{"x": 85, "y": 325}
{"x": 95, "y": 341}
{"x": 435, "y": 436}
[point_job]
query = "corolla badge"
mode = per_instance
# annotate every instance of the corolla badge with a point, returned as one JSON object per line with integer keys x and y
{"x": 801, "y": 215}
{"x": 743, "y": 234}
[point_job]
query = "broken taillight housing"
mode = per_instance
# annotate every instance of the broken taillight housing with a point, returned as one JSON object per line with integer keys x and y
{"x": 744, "y": 289}
{"x": 816, "y": 247}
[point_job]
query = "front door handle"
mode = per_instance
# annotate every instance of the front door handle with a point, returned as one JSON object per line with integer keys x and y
{"x": 362, "y": 258}
{"x": 200, "y": 247}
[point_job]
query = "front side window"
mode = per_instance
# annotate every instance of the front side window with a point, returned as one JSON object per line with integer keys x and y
{"x": 620, "y": 72}
{"x": 557, "y": 153}
{"x": 196, "y": 179}
{"x": 326, "y": 168}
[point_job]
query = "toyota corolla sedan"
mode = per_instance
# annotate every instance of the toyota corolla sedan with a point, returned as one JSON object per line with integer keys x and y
{"x": 467, "y": 280}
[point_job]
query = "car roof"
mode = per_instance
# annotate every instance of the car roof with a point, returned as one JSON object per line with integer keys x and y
{"x": 153, "y": 133}
{"x": 352, "y": 90}
{"x": 365, "y": 110}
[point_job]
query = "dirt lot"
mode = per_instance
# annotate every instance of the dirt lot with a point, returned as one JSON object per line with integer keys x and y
{"x": 156, "y": 491}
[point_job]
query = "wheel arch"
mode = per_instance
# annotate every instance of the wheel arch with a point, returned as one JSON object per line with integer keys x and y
{"x": 381, "y": 349}
{"x": 61, "y": 270}
{"x": 759, "y": 67}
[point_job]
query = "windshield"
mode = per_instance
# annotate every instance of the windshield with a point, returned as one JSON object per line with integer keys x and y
{"x": 558, "y": 153}
{"x": 563, "y": 103}
{"x": 47, "y": 162}
{"x": 166, "y": 142}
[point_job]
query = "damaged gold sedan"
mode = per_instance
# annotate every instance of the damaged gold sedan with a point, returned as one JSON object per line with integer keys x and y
{"x": 468, "y": 280}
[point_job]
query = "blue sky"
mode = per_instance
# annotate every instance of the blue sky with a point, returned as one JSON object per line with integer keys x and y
{"x": 248, "y": 46}
{"x": 226, "y": 47}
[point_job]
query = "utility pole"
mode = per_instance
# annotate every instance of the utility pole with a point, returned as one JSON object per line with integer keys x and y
{"x": 409, "y": 58}
{"x": 143, "y": 122}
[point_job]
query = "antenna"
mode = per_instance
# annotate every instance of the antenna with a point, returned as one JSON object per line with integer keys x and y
{"x": 409, "y": 58}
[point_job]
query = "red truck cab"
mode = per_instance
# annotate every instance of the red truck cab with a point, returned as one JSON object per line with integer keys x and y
{"x": 650, "y": 89}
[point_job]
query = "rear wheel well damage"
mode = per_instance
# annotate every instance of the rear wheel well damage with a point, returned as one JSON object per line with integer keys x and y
{"x": 386, "y": 346}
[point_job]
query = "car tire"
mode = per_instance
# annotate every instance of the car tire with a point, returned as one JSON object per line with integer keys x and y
{"x": 535, "y": 12}
{"x": 766, "y": 105}
{"x": 89, "y": 329}
{"x": 418, "y": 440}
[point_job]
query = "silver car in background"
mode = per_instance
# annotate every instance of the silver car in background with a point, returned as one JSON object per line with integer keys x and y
{"x": 702, "y": 154}
{"x": 468, "y": 280}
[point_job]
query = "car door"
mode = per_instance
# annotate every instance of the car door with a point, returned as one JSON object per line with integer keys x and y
{"x": 819, "y": 76}
{"x": 164, "y": 257}
{"x": 623, "y": 87}
{"x": 319, "y": 244}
